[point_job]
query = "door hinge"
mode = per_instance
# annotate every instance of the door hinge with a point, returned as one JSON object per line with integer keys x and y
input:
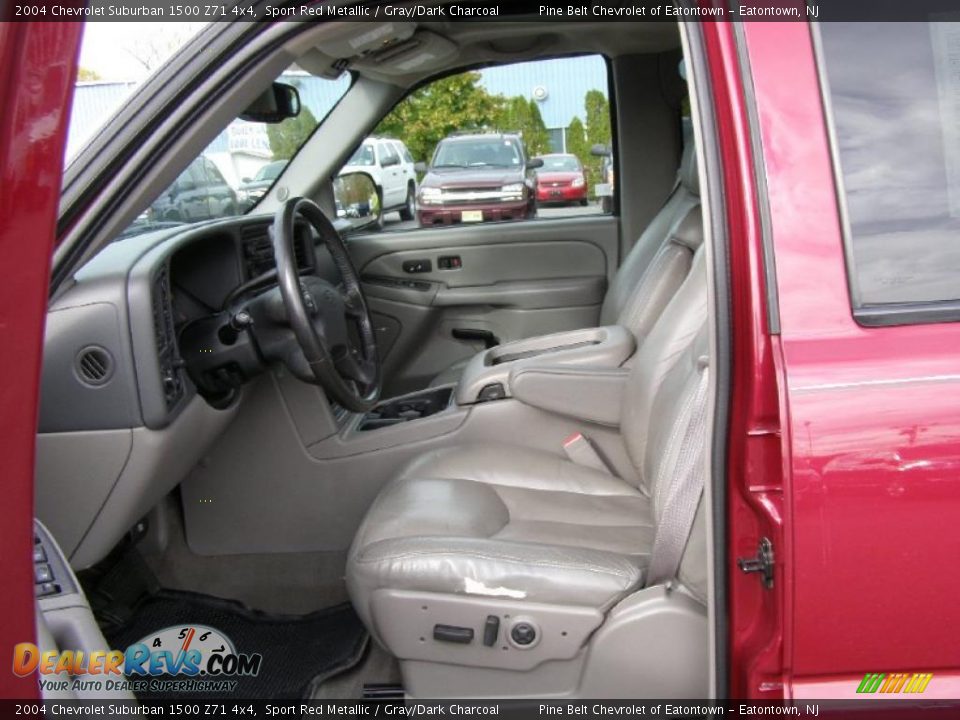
{"x": 762, "y": 563}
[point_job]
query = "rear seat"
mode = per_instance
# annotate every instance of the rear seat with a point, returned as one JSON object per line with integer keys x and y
{"x": 654, "y": 268}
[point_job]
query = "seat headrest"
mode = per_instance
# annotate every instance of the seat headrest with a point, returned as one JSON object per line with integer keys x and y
{"x": 689, "y": 178}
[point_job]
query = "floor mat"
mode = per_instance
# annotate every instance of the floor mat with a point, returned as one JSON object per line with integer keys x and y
{"x": 295, "y": 649}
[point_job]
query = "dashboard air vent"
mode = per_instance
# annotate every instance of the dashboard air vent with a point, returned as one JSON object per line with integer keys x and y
{"x": 94, "y": 365}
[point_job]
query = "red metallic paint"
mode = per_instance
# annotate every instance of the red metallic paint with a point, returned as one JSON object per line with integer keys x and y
{"x": 755, "y": 470}
{"x": 36, "y": 88}
{"x": 873, "y": 505}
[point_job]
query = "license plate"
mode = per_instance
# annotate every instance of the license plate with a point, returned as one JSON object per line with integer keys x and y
{"x": 555, "y": 193}
{"x": 472, "y": 216}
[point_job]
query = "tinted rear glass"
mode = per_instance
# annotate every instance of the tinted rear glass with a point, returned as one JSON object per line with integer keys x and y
{"x": 894, "y": 89}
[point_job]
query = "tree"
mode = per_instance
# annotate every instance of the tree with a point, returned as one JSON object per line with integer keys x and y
{"x": 523, "y": 116}
{"x": 434, "y": 111}
{"x": 287, "y": 137}
{"x": 164, "y": 40}
{"x": 598, "y": 131}
{"x": 87, "y": 75}
{"x": 577, "y": 141}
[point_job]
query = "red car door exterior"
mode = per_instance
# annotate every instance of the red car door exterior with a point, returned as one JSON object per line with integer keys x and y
{"x": 866, "y": 513}
{"x": 36, "y": 87}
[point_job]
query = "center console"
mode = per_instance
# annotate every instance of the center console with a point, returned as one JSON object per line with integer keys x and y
{"x": 487, "y": 375}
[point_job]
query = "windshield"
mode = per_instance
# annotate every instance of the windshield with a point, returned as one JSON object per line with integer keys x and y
{"x": 363, "y": 156}
{"x": 486, "y": 152}
{"x": 560, "y": 163}
{"x": 216, "y": 183}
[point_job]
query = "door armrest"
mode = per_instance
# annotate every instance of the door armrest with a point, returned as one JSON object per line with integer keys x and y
{"x": 587, "y": 393}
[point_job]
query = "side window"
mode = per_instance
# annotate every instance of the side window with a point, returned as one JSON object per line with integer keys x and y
{"x": 509, "y": 143}
{"x": 894, "y": 95}
{"x": 388, "y": 154}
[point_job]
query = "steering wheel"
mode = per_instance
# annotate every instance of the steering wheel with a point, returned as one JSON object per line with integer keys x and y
{"x": 320, "y": 314}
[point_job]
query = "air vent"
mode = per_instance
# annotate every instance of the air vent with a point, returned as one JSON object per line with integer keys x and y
{"x": 94, "y": 365}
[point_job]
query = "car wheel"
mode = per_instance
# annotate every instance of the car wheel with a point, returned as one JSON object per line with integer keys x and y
{"x": 409, "y": 210}
{"x": 583, "y": 202}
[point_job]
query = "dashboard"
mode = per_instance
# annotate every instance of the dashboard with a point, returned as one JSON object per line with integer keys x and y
{"x": 112, "y": 357}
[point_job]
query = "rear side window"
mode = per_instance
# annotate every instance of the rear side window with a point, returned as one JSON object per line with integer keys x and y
{"x": 894, "y": 104}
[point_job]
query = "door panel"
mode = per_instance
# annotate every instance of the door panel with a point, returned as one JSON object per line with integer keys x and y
{"x": 514, "y": 280}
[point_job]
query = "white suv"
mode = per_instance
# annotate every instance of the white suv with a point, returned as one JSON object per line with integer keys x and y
{"x": 390, "y": 165}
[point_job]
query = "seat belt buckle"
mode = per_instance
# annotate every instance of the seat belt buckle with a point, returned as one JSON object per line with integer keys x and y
{"x": 581, "y": 451}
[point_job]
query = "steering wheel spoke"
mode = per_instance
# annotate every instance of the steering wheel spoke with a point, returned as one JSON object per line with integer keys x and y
{"x": 320, "y": 314}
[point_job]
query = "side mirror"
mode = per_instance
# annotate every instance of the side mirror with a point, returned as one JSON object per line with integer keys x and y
{"x": 356, "y": 199}
{"x": 278, "y": 103}
{"x": 246, "y": 180}
{"x": 534, "y": 163}
{"x": 600, "y": 150}
{"x": 420, "y": 167}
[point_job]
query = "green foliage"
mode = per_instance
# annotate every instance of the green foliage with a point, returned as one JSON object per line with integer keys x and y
{"x": 523, "y": 116}
{"x": 577, "y": 141}
{"x": 597, "y": 131}
{"x": 434, "y": 111}
{"x": 287, "y": 137}
{"x": 86, "y": 75}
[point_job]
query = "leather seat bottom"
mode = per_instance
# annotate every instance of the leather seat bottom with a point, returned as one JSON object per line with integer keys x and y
{"x": 503, "y": 521}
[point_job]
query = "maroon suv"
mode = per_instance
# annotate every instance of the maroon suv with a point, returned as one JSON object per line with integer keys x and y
{"x": 478, "y": 178}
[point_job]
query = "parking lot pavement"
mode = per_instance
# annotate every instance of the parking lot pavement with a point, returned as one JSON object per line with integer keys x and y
{"x": 393, "y": 221}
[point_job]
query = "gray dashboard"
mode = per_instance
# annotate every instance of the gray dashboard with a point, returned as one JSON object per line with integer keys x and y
{"x": 111, "y": 359}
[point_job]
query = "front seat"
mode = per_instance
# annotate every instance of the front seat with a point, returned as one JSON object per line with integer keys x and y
{"x": 653, "y": 269}
{"x": 472, "y": 549}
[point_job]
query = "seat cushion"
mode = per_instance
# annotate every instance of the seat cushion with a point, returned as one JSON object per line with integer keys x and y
{"x": 505, "y": 521}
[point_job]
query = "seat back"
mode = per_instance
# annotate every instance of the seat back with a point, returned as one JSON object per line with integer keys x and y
{"x": 660, "y": 260}
{"x": 665, "y": 369}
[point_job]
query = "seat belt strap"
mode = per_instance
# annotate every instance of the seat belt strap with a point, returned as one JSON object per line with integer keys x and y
{"x": 581, "y": 451}
{"x": 684, "y": 459}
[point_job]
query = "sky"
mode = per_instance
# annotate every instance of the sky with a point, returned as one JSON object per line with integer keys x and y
{"x": 125, "y": 50}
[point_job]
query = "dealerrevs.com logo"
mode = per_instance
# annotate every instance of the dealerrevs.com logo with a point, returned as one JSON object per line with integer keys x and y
{"x": 193, "y": 658}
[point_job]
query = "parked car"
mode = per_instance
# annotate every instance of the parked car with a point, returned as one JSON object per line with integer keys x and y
{"x": 478, "y": 177}
{"x": 561, "y": 180}
{"x": 252, "y": 189}
{"x": 707, "y": 448}
{"x": 200, "y": 193}
{"x": 391, "y": 166}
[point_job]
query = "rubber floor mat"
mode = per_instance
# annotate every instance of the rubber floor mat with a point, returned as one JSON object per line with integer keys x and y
{"x": 294, "y": 649}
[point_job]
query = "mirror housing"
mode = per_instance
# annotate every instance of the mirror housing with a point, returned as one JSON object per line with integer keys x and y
{"x": 356, "y": 200}
{"x": 278, "y": 103}
{"x": 601, "y": 150}
{"x": 534, "y": 163}
{"x": 420, "y": 167}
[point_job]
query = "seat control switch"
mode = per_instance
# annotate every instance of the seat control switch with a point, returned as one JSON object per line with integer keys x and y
{"x": 491, "y": 629}
{"x": 453, "y": 634}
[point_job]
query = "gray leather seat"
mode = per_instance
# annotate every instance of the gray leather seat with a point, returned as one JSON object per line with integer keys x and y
{"x": 654, "y": 268}
{"x": 504, "y": 521}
